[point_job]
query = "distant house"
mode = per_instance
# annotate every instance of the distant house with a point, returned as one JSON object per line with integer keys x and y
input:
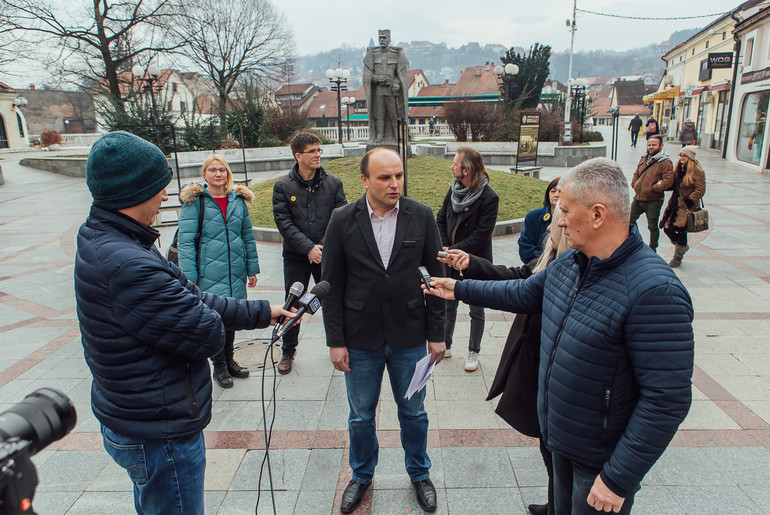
{"x": 417, "y": 81}
{"x": 182, "y": 94}
{"x": 13, "y": 124}
{"x": 322, "y": 110}
{"x": 628, "y": 98}
{"x": 296, "y": 97}
{"x": 67, "y": 112}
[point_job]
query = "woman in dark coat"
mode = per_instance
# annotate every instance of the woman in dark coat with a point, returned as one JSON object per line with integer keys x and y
{"x": 536, "y": 224}
{"x": 687, "y": 134}
{"x": 516, "y": 376}
{"x": 688, "y": 190}
{"x": 466, "y": 221}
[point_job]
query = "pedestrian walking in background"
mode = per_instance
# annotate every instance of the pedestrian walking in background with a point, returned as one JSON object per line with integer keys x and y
{"x": 652, "y": 127}
{"x": 654, "y": 174}
{"x": 536, "y": 224}
{"x": 516, "y": 376}
{"x": 634, "y": 126}
{"x": 687, "y": 134}
{"x": 466, "y": 221}
{"x": 223, "y": 260}
{"x": 688, "y": 189}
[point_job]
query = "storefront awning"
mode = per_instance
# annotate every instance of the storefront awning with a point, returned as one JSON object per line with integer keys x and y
{"x": 696, "y": 91}
{"x": 721, "y": 86}
{"x": 666, "y": 94}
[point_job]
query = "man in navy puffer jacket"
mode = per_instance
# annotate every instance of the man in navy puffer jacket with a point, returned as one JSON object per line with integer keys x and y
{"x": 147, "y": 331}
{"x": 616, "y": 354}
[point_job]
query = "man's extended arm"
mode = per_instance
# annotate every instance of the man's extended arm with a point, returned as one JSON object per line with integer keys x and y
{"x": 516, "y": 296}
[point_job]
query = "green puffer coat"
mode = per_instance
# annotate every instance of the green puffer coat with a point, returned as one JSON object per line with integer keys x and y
{"x": 227, "y": 254}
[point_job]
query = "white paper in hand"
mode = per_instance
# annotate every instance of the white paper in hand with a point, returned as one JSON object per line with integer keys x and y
{"x": 422, "y": 372}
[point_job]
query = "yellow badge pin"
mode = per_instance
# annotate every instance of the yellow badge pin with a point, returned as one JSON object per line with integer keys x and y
{"x": 293, "y": 198}
{"x": 546, "y": 217}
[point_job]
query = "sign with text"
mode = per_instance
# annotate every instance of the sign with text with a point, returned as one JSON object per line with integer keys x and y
{"x": 720, "y": 60}
{"x": 756, "y": 76}
{"x": 529, "y": 136}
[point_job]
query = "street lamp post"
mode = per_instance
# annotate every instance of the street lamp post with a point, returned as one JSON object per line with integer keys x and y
{"x": 510, "y": 70}
{"x": 339, "y": 78}
{"x": 347, "y": 102}
{"x": 149, "y": 77}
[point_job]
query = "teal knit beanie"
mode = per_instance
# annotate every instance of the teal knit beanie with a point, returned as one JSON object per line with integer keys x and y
{"x": 124, "y": 170}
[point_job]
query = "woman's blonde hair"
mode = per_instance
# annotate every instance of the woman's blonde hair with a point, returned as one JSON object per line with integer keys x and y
{"x": 557, "y": 235}
{"x": 689, "y": 170}
{"x": 229, "y": 185}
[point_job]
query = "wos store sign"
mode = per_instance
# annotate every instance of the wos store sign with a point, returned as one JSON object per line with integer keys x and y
{"x": 720, "y": 60}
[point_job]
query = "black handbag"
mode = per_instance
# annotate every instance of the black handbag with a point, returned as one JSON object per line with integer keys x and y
{"x": 173, "y": 251}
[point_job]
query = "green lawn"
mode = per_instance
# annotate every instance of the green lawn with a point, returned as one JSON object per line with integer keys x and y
{"x": 428, "y": 180}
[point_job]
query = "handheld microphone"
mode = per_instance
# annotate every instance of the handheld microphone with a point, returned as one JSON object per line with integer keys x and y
{"x": 294, "y": 292}
{"x": 310, "y": 301}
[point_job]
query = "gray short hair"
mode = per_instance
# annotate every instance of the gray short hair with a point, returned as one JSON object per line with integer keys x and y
{"x": 600, "y": 181}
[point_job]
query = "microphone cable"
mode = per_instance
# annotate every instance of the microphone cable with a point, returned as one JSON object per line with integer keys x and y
{"x": 268, "y": 431}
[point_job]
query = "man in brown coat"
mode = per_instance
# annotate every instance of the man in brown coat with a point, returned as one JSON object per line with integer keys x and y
{"x": 654, "y": 174}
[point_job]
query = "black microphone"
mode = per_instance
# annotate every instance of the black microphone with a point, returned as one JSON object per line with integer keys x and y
{"x": 294, "y": 292}
{"x": 310, "y": 301}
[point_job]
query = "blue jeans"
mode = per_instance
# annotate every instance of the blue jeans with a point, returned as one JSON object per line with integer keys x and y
{"x": 363, "y": 386}
{"x": 167, "y": 474}
{"x": 571, "y": 486}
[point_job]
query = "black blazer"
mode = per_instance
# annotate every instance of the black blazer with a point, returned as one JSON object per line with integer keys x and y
{"x": 474, "y": 234}
{"x": 516, "y": 376}
{"x": 368, "y": 305}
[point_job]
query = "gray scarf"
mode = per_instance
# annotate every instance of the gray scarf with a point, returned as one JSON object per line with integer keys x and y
{"x": 660, "y": 156}
{"x": 462, "y": 198}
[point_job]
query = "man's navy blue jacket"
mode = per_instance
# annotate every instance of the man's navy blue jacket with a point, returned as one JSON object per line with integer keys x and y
{"x": 147, "y": 331}
{"x": 616, "y": 355}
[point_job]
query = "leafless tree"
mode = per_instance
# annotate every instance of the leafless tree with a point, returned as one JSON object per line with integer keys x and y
{"x": 96, "y": 39}
{"x": 227, "y": 40}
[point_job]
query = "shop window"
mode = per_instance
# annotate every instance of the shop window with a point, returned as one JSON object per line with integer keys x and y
{"x": 751, "y": 132}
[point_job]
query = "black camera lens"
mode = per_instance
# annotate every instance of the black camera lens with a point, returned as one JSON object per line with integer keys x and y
{"x": 44, "y": 416}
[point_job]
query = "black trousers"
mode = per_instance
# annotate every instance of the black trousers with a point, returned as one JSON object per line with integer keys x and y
{"x": 293, "y": 271}
{"x": 677, "y": 236}
{"x": 226, "y": 354}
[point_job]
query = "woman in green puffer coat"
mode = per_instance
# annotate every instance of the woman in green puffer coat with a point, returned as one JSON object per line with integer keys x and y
{"x": 226, "y": 258}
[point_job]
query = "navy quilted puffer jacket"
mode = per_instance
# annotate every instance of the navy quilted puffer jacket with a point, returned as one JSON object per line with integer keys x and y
{"x": 147, "y": 331}
{"x": 616, "y": 355}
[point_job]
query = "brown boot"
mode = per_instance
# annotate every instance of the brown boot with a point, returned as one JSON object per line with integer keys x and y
{"x": 284, "y": 366}
{"x": 679, "y": 252}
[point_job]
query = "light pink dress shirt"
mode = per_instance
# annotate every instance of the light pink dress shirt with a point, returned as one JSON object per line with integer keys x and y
{"x": 384, "y": 228}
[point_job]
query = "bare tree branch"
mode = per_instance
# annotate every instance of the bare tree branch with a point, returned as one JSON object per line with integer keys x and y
{"x": 97, "y": 39}
{"x": 228, "y": 40}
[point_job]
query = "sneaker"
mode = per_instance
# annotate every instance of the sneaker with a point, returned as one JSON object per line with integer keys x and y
{"x": 284, "y": 366}
{"x": 222, "y": 377}
{"x": 448, "y": 353}
{"x": 472, "y": 362}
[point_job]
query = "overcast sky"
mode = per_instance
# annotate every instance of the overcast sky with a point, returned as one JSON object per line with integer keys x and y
{"x": 320, "y": 26}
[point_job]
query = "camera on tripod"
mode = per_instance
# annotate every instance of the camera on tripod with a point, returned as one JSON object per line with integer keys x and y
{"x": 44, "y": 416}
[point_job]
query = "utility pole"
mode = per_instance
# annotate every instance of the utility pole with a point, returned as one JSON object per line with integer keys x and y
{"x": 568, "y": 104}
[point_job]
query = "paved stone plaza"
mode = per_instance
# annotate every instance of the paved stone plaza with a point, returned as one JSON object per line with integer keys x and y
{"x": 719, "y": 462}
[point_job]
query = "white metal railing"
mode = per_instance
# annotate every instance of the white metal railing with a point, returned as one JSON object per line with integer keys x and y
{"x": 74, "y": 140}
{"x": 362, "y": 133}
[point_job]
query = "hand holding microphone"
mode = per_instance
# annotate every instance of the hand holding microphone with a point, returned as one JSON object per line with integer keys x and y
{"x": 294, "y": 292}
{"x": 309, "y": 302}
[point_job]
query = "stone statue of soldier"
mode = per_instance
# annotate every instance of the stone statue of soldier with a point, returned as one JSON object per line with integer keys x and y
{"x": 386, "y": 75}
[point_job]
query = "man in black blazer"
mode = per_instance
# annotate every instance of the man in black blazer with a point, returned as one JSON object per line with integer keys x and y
{"x": 376, "y": 315}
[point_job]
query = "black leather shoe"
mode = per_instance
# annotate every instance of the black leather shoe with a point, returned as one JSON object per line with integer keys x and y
{"x": 426, "y": 494}
{"x": 222, "y": 377}
{"x": 352, "y": 496}
{"x": 236, "y": 370}
{"x": 538, "y": 509}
